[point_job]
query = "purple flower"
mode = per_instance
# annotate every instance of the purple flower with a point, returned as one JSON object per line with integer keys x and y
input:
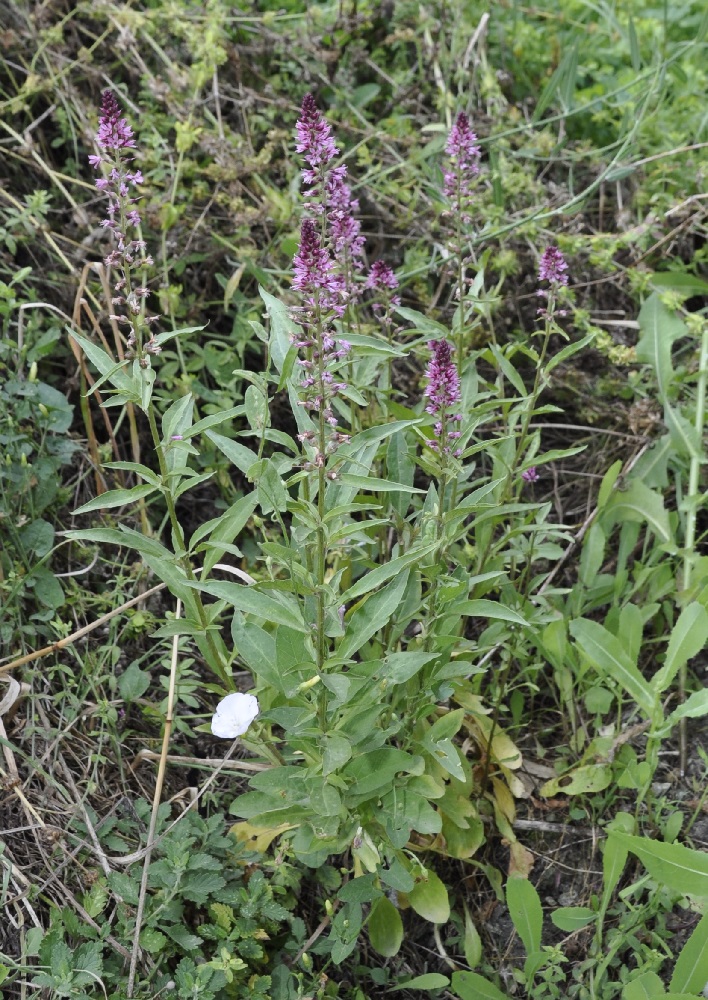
{"x": 314, "y": 135}
{"x": 530, "y": 475}
{"x": 443, "y": 388}
{"x": 464, "y": 153}
{"x": 552, "y": 267}
{"x": 312, "y": 264}
{"x": 114, "y": 132}
{"x": 381, "y": 276}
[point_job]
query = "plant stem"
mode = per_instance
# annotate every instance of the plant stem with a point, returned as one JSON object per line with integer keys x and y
{"x": 693, "y": 502}
{"x": 217, "y": 664}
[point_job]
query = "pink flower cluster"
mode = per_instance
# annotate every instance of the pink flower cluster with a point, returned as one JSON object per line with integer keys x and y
{"x": 115, "y": 136}
{"x": 443, "y": 392}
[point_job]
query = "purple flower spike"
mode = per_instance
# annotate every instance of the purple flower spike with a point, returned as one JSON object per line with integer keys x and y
{"x": 381, "y": 276}
{"x": 114, "y": 132}
{"x": 314, "y": 134}
{"x": 443, "y": 388}
{"x": 464, "y": 152}
{"x": 312, "y": 264}
{"x": 530, "y": 475}
{"x": 552, "y": 267}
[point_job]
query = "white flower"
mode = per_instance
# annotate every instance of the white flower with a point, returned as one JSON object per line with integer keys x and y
{"x": 234, "y": 714}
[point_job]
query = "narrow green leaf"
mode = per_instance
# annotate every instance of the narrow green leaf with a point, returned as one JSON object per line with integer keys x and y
{"x": 660, "y": 327}
{"x": 115, "y": 498}
{"x": 639, "y": 504}
{"x": 691, "y": 969}
{"x": 373, "y": 485}
{"x": 608, "y": 656}
{"x": 489, "y": 609}
{"x": 688, "y": 637}
{"x": 428, "y": 981}
{"x": 471, "y": 986}
{"x": 572, "y": 918}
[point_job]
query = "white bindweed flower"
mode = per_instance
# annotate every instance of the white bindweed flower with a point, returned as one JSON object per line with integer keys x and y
{"x": 234, "y": 714}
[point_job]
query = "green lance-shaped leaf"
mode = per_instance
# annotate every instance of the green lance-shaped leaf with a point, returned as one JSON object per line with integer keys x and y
{"x": 115, "y": 498}
{"x": 691, "y": 969}
{"x": 673, "y": 865}
{"x": 659, "y": 327}
{"x": 471, "y": 986}
{"x": 609, "y": 657}
{"x": 526, "y": 912}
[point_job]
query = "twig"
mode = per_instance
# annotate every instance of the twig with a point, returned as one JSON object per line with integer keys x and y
{"x": 70, "y": 639}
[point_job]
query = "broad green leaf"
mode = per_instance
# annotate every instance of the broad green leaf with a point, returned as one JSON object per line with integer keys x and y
{"x": 385, "y": 927}
{"x": 608, "y": 656}
{"x": 685, "y": 439}
{"x": 47, "y": 589}
{"x": 691, "y": 969}
{"x": 678, "y": 867}
{"x": 133, "y": 682}
{"x": 375, "y": 577}
{"x": 428, "y": 981}
{"x": 115, "y": 498}
{"x": 243, "y": 458}
{"x": 256, "y": 647}
{"x": 400, "y": 667}
{"x": 525, "y": 911}
{"x": 679, "y": 281}
{"x": 659, "y": 327}
{"x": 471, "y": 986}
{"x": 255, "y": 602}
{"x": 371, "y": 615}
{"x": 644, "y": 987}
{"x": 337, "y": 751}
{"x": 489, "y": 609}
{"x": 688, "y": 637}
{"x": 582, "y": 780}
{"x": 429, "y": 899}
{"x": 639, "y": 504}
{"x": 377, "y": 769}
{"x": 572, "y": 918}
{"x": 37, "y": 537}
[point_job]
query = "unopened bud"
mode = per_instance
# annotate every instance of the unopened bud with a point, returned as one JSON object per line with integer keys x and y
{"x": 33, "y": 372}
{"x": 43, "y": 410}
